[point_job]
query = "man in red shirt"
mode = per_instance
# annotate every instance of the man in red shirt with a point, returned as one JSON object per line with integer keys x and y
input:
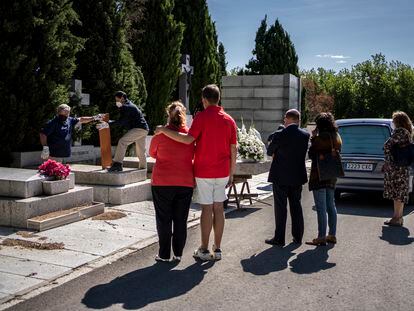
{"x": 215, "y": 134}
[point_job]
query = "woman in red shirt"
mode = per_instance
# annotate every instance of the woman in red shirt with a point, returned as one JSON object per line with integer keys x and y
{"x": 172, "y": 185}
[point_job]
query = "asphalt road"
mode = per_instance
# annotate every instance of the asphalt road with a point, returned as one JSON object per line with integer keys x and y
{"x": 371, "y": 268}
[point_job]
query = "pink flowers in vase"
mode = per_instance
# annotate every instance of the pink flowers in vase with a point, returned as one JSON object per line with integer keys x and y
{"x": 56, "y": 170}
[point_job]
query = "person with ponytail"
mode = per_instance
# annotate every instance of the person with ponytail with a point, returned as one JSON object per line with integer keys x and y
{"x": 172, "y": 185}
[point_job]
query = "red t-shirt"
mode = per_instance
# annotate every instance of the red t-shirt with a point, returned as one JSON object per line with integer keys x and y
{"x": 214, "y": 131}
{"x": 174, "y": 161}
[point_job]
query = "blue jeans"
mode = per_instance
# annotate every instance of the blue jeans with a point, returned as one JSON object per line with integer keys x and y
{"x": 326, "y": 210}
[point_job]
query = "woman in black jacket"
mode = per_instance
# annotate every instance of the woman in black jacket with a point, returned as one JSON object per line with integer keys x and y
{"x": 324, "y": 140}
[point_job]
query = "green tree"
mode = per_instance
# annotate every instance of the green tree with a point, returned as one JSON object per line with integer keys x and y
{"x": 106, "y": 64}
{"x": 157, "y": 51}
{"x": 200, "y": 42}
{"x": 274, "y": 52}
{"x": 222, "y": 59}
{"x": 373, "y": 88}
{"x": 37, "y": 52}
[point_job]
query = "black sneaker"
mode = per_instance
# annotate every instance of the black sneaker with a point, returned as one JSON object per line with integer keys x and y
{"x": 116, "y": 167}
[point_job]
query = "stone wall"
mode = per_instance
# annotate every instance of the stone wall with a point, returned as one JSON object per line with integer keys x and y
{"x": 261, "y": 99}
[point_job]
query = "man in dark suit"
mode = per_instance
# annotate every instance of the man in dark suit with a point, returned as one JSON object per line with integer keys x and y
{"x": 288, "y": 174}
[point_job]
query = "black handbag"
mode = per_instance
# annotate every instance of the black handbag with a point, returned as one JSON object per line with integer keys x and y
{"x": 330, "y": 164}
{"x": 402, "y": 155}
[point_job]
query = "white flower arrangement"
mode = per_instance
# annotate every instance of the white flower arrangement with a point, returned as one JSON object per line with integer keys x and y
{"x": 250, "y": 145}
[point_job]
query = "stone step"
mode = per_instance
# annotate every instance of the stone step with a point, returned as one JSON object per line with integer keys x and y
{"x": 95, "y": 175}
{"x": 136, "y": 192}
{"x": 16, "y": 212}
{"x": 133, "y": 162}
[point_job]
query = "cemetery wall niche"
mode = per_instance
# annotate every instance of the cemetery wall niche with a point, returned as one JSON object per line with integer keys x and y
{"x": 262, "y": 100}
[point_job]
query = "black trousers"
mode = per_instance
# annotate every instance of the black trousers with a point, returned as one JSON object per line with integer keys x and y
{"x": 281, "y": 195}
{"x": 171, "y": 210}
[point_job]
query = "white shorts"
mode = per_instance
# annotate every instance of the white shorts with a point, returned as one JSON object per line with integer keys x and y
{"x": 210, "y": 190}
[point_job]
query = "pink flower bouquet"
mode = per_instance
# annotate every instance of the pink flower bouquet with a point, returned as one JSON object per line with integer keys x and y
{"x": 54, "y": 169}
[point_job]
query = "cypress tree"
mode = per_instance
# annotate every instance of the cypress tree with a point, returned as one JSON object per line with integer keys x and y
{"x": 200, "y": 42}
{"x": 157, "y": 51}
{"x": 222, "y": 59}
{"x": 106, "y": 64}
{"x": 274, "y": 52}
{"x": 37, "y": 53}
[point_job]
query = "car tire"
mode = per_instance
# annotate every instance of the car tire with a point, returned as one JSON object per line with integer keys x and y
{"x": 337, "y": 195}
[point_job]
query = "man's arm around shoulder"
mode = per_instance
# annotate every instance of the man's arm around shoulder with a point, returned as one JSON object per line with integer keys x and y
{"x": 177, "y": 136}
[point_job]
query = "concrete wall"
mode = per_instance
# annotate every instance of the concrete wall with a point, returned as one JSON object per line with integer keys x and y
{"x": 261, "y": 99}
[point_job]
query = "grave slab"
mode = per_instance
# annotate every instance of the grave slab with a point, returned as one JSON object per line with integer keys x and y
{"x": 3, "y": 296}
{"x": 61, "y": 257}
{"x": 102, "y": 237}
{"x": 95, "y": 175}
{"x": 20, "y": 183}
{"x": 35, "y": 269}
{"x": 13, "y": 284}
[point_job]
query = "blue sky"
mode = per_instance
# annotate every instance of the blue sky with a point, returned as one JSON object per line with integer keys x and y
{"x": 333, "y": 34}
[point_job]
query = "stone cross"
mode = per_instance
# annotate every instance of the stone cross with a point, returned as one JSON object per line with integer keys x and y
{"x": 76, "y": 89}
{"x": 185, "y": 81}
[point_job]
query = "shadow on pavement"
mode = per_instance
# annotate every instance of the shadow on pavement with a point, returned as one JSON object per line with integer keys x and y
{"x": 142, "y": 287}
{"x": 367, "y": 204}
{"x": 266, "y": 188}
{"x": 245, "y": 211}
{"x": 271, "y": 260}
{"x": 396, "y": 235}
{"x": 312, "y": 261}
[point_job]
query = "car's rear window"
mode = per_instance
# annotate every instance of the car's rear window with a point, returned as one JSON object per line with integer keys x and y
{"x": 363, "y": 139}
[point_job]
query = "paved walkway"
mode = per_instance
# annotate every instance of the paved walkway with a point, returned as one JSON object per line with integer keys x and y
{"x": 370, "y": 269}
{"x": 87, "y": 244}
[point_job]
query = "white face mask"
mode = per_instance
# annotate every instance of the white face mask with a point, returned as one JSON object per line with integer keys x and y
{"x": 118, "y": 104}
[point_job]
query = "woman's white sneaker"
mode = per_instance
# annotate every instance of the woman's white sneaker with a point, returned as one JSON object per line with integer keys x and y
{"x": 217, "y": 253}
{"x": 159, "y": 259}
{"x": 203, "y": 254}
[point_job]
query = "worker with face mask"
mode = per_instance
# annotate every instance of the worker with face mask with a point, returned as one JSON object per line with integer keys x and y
{"x": 56, "y": 135}
{"x": 132, "y": 119}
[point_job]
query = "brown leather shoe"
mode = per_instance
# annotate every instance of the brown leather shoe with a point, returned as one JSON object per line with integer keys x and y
{"x": 317, "y": 242}
{"x": 331, "y": 239}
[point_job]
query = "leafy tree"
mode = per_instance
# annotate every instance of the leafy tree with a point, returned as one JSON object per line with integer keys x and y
{"x": 106, "y": 64}
{"x": 37, "y": 52}
{"x": 157, "y": 51}
{"x": 374, "y": 88}
{"x": 200, "y": 42}
{"x": 274, "y": 52}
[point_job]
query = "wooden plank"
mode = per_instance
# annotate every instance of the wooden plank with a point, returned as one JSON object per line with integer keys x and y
{"x": 105, "y": 143}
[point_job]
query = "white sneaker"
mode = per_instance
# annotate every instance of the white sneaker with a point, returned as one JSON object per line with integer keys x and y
{"x": 203, "y": 254}
{"x": 159, "y": 259}
{"x": 177, "y": 258}
{"x": 217, "y": 253}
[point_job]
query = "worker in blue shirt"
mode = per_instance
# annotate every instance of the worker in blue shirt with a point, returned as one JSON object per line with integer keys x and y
{"x": 132, "y": 119}
{"x": 56, "y": 135}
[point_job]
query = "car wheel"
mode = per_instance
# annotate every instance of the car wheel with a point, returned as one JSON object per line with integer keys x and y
{"x": 337, "y": 195}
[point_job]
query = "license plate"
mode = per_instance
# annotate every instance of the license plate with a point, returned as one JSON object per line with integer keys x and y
{"x": 359, "y": 167}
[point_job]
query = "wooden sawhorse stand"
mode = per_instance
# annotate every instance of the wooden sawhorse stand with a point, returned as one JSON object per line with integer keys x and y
{"x": 238, "y": 197}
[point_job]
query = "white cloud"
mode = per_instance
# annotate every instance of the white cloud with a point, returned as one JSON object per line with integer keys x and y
{"x": 341, "y": 62}
{"x": 332, "y": 56}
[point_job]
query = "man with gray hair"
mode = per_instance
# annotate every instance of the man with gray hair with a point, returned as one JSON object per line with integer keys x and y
{"x": 56, "y": 135}
{"x": 288, "y": 174}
